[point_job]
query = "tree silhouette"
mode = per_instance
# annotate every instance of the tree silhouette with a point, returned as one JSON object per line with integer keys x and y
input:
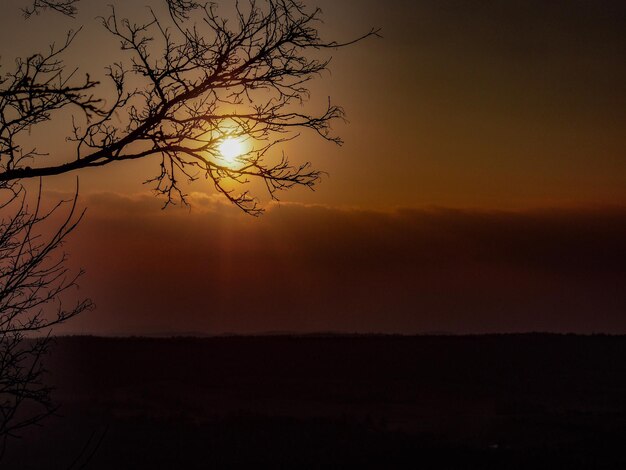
{"x": 195, "y": 86}
{"x": 33, "y": 277}
{"x": 185, "y": 86}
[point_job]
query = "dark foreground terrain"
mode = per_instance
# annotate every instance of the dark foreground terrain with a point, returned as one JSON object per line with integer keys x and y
{"x": 513, "y": 401}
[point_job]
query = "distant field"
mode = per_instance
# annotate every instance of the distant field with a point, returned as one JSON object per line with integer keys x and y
{"x": 511, "y": 401}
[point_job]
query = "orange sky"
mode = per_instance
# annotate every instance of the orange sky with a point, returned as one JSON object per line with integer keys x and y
{"x": 466, "y": 119}
{"x": 500, "y": 106}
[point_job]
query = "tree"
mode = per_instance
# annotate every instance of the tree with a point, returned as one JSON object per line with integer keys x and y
{"x": 196, "y": 87}
{"x": 33, "y": 276}
{"x": 186, "y": 86}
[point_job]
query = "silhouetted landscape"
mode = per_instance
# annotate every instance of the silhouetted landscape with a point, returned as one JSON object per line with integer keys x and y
{"x": 200, "y": 185}
{"x": 495, "y": 401}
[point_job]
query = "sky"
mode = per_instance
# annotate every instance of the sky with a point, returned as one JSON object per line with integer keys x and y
{"x": 481, "y": 186}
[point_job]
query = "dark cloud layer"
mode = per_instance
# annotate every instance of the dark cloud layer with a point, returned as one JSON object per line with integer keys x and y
{"x": 308, "y": 268}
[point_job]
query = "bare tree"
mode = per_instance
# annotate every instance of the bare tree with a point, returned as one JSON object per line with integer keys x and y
{"x": 186, "y": 86}
{"x": 33, "y": 278}
{"x": 33, "y": 272}
{"x": 196, "y": 86}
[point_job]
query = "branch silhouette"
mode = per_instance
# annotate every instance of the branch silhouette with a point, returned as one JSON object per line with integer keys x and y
{"x": 185, "y": 84}
{"x": 201, "y": 84}
{"x": 66, "y": 7}
{"x": 33, "y": 277}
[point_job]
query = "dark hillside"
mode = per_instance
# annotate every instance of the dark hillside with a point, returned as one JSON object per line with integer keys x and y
{"x": 510, "y": 401}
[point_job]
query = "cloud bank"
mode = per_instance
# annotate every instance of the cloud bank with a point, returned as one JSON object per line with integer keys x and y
{"x": 310, "y": 268}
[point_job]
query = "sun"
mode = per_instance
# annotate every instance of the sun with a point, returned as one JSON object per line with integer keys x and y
{"x": 231, "y": 148}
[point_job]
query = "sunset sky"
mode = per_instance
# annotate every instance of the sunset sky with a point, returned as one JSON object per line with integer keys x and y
{"x": 481, "y": 187}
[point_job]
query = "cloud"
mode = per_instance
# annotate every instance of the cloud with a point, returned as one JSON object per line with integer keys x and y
{"x": 313, "y": 268}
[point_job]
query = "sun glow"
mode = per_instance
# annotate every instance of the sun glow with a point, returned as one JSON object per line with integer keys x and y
{"x": 231, "y": 148}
